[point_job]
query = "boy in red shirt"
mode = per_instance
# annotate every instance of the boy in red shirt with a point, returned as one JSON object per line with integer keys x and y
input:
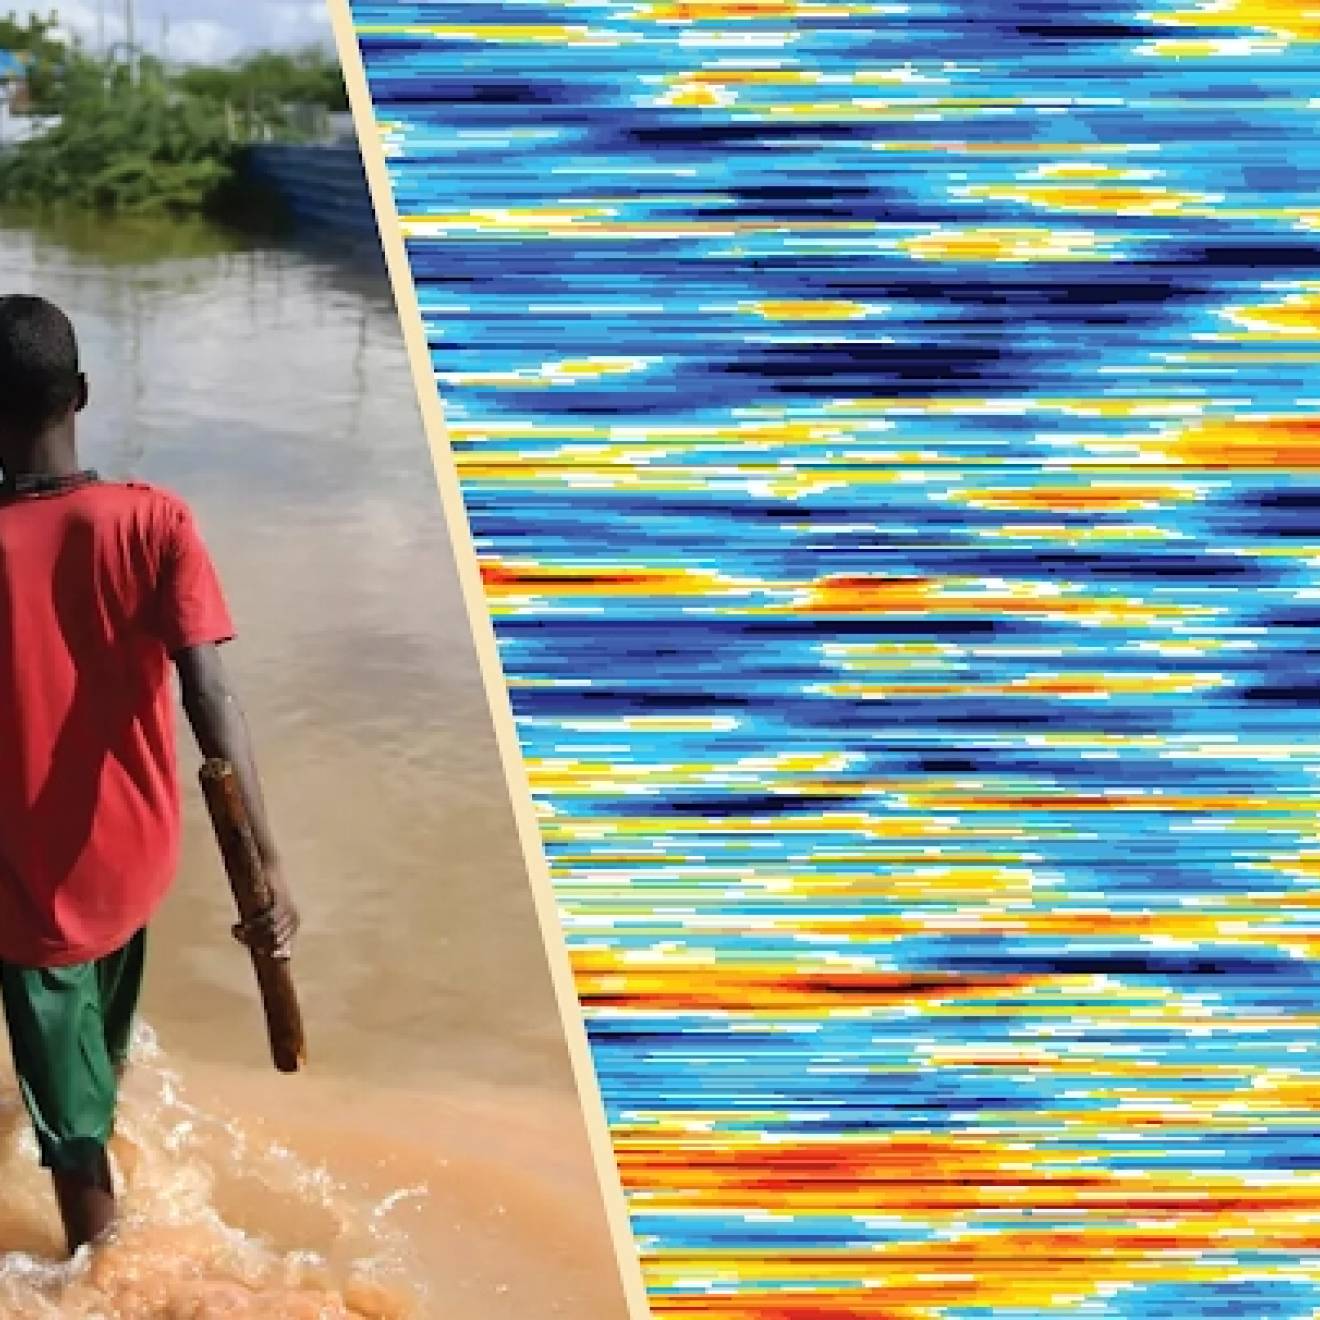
{"x": 102, "y": 586}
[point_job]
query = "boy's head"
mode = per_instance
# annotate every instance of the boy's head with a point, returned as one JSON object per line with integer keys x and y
{"x": 41, "y": 385}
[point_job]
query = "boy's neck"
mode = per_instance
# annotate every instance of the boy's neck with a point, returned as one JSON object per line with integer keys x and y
{"x": 53, "y": 454}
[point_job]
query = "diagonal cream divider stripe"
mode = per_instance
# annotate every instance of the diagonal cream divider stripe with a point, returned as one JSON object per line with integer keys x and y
{"x": 492, "y": 673}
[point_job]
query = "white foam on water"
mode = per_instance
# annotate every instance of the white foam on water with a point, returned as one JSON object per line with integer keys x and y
{"x": 215, "y": 1222}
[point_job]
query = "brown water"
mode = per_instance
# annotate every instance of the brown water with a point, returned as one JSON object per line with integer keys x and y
{"x": 433, "y": 1161}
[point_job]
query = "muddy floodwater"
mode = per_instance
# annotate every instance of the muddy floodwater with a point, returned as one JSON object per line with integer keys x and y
{"x": 433, "y": 1161}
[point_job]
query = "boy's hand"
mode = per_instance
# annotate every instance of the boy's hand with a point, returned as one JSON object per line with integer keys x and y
{"x": 271, "y": 932}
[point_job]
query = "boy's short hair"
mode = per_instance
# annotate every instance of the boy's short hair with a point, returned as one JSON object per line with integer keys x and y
{"x": 39, "y": 367}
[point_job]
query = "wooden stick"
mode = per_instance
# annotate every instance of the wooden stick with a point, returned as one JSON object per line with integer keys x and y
{"x": 253, "y": 896}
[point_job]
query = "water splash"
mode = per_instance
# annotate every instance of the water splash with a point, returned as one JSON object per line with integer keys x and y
{"x": 217, "y": 1222}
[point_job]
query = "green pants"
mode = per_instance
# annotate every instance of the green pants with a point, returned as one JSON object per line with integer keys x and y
{"x": 69, "y": 1028}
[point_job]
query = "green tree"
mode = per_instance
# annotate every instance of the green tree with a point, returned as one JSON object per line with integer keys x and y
{"x": 143, "y": 139}
{"x": 47, "y": 58}
{"x": 270, "y": 82}
{"x": 124, "y": 146}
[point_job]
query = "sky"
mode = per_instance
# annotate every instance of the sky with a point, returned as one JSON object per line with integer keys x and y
{"x": 203, "y": 31}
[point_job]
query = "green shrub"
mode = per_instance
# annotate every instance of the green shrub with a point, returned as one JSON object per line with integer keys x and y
{"x": 119, "y": 147}
{"x": 151, "y": 142}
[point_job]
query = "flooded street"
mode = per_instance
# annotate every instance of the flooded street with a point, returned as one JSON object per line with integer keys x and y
{"x": 432, "y": 1161}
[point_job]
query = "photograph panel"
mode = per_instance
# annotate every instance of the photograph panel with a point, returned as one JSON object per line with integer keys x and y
{"x": 187, "y": 194}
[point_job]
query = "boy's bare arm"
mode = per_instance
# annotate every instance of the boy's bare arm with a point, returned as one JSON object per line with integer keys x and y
{"x": 221, "y": 731}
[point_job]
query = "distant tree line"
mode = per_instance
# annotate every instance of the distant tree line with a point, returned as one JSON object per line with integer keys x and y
{"x": 137, "y": 136}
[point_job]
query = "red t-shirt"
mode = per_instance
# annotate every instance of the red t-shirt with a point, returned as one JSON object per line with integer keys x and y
{"x": 99, "y": 585}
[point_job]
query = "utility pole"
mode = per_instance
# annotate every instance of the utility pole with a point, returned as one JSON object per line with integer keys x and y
{"x": 100, "y": 28}
{"x": 130, "y": 39}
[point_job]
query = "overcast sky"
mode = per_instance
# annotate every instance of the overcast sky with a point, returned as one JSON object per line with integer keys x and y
{"x": 204, "y": 30}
